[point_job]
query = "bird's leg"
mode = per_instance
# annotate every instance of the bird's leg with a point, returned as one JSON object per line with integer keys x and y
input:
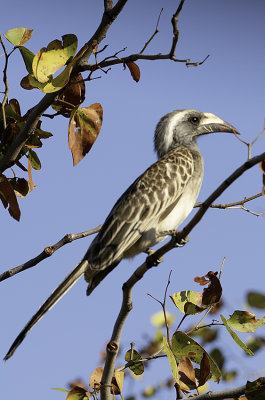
{"x": 177, "y": 239}
{"x": 150, "y": 260}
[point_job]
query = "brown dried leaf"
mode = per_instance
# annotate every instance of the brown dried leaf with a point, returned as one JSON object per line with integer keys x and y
{"x": 83, "y": 130}
{"x": 20, "y": 186}
{"x": 72, "y": 96}
{"x": 186, "y": 374}
{"x": 8, "y": 197}
{"x": 117, "y": 382}
{"x": 15, "y": 105}
{"x": 205, "y": 370}
{"x": 77, "y": 382}
{"x": 134, "y": 70}
{"x": 201, "y": 280}
{"x": 25, "y": 83}
{"x": 213, "y": 292}
{"x": 95, "y": 378}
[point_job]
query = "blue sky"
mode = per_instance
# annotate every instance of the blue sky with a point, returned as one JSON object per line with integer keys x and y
{"x": 66, "y": 344}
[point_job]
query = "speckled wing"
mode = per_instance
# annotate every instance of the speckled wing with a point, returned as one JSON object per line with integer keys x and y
{"x": 148, "y": 200}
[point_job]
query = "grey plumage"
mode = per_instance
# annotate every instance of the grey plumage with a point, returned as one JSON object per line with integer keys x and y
{"x": 157, "y": 202}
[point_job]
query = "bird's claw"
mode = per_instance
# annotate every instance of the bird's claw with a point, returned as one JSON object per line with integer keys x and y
{"x": 178, "y": 240}
{"x": 152, "y": 261}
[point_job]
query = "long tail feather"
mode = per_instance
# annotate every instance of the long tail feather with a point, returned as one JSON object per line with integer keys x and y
{"x": 58, "y": 293}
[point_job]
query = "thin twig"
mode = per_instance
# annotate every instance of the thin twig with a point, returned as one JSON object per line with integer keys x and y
{"x": 174, "y": 22}
{"x": 154, "y": 34}
{"x": 249, "y": 145}
{"x": 232, "y": 205}
{"x": 163, "y": 305}
{"x": 247, "y": 210}
{"x": 5, "y": 80}
{"x": 141, "y": 361}
{"x": 221, "y": 268}
{"x": 204, "y": 326}
{"x": 47, "y": 252}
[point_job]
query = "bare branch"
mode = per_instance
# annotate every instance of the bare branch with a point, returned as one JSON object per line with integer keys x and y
{"x": 249, "y": 145}
{"x": 5, "y": 80}
{"x": 174, "y": 22}
{"x": 47, "y": 252}
{"x": 141, "y": 361}
{"x": 153, "y": 35}
{"x": 108, "y": 4}
{"x": 232, "y": 205}
{"x": 249, "y": 211}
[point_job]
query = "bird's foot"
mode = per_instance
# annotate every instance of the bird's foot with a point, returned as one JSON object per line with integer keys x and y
{"x": 152, "y": 261}
{"x": 178, "y": 240}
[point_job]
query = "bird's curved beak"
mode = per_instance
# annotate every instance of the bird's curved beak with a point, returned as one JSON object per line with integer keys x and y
{"x": 211, "y": 123}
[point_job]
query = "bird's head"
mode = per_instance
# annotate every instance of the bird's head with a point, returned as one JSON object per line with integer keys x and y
{"x": 183, "y": 127}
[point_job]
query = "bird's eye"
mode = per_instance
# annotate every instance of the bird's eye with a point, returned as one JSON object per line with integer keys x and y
{"x": 194, "y": 120}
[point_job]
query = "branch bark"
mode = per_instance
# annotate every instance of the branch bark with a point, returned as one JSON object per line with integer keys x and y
{"x": 222, "y": 394}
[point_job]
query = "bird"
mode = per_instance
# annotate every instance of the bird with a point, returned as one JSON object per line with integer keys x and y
{"x": 156, "y": 203}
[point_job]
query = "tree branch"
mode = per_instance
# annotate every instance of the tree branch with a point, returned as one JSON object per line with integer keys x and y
{"x": 174, "y": 22}
{"x": 47, "y": 252}
{"x": 222, "y": 394}
{"x": 231, "y": 205}
{"x": 5, "y": 80}
{"x": 108, "y": 4}
{"x": 154, "y": 34}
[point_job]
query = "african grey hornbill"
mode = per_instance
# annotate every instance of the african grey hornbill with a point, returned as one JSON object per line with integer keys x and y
{"x": 157, "y": 202}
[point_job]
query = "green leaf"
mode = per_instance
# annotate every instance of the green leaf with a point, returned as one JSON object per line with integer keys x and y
{"x": 61, "y": 390}
{"x": 158, "y": 319}
{"x": 137, "y": 369}
{"x": 27, "y": 57}
{"x": 34, "y": 160}
{"x": 244, "y": 321}
{"x": 218, "y": 357}
{"x": 60, "y": 81}
{"x": 207, "y": 334}
{"x": 149, "y": 391}
{"x": 184, "y": 345}
{"x": 51, "y": 58}
{"x": 171, "y": 359}
{"x": 236, "y": 338}
{"x": 77, "y": 393}
{"x": 188, "y": 302}
{"x": 256, "y": 299}
{"x": 255, "y": 343}
{"x": 43, "y": 134}
{"x": 18, "y": 36}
